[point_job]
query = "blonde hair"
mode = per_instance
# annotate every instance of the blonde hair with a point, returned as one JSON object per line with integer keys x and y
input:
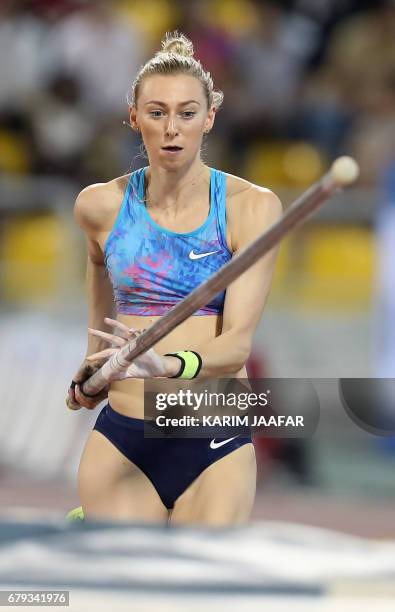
{"x": 176, "y": 57}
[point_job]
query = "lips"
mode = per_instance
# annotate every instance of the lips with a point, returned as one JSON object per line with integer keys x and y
{"x": 172, "y": 148}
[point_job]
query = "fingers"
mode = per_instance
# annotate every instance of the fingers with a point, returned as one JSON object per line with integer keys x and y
{"x": 71, "y": 402}
{"x": 108, "y": 337}
{"x": 123, "y": 328}
{"x": 84, "y": 401}
{"x": 76, "y": 398}
{"x": 85, "y": 371}
{"x": 102, "y": 354}
{"x": 124, "y": 333}
{"x": 120, "y": 326}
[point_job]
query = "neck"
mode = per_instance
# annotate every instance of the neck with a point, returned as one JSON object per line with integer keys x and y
{"x": 176, "y": 190}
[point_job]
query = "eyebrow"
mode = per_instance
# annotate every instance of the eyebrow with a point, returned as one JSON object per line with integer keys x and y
{"x": 164, "y": 104}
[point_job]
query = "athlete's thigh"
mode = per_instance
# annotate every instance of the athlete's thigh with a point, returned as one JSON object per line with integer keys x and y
{"x": 223, "y": 494}
{"x": 112, "y": 487}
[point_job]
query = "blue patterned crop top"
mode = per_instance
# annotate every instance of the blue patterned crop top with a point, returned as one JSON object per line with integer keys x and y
{"x": 152, "y": 268}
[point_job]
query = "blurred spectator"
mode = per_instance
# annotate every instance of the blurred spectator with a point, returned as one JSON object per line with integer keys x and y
{"x": 52, "y": 11}
{"x": 269, "y": 70}
{"x": 114, "y": 150}
{"x": 372, "y": 140}
{"x": 265, "y": 83}
{"x": 213, "y": 45}
{"x": 321, "y": 115}
{"x": 362, "y": 51}
{"x": 61, "y": 126}
{"x": 360, "y": 56}
{"x": 352, "y": 78}
{"x": 21, "y": 55}
{"x": 101, "y": 51}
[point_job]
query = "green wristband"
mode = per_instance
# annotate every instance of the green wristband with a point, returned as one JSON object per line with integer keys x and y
{"x": 191, "y": 363}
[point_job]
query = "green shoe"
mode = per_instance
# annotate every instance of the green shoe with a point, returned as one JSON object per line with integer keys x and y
{"x": 77, "y": 514}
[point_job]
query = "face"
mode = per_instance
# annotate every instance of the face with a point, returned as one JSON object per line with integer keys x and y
{"x": 172, "y": 116}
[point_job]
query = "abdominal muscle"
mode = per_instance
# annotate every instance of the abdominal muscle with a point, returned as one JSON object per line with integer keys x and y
{"x": 127, "y": 396}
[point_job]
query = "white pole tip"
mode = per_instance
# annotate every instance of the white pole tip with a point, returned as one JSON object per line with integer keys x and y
{"x": 345, "y": 170}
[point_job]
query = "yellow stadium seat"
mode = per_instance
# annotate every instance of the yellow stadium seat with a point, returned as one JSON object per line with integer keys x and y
{"x": 284, "y": 164}
{"x": 30, "y": 251}
{"x": 153, "y": 18}
{"x": 326, "y": 268}
{"x": 14, "y": 154}
{"x": 235, "y": 16}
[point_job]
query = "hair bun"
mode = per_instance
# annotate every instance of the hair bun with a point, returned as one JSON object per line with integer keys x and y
{"x": 177, "y": 43}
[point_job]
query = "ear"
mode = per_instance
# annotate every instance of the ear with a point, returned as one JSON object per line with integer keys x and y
{"x": 133, "y": 118}
{"x": 208, "y": 124}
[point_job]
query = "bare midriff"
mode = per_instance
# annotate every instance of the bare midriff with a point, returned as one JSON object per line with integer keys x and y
{"x": 127, "y": 396}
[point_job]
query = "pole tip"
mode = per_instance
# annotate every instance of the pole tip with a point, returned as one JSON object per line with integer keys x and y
{"x": 345, "y": 171}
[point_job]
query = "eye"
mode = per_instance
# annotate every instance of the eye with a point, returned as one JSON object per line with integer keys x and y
{"x": 188, "y": 114}
{"x": 156, "y": 114}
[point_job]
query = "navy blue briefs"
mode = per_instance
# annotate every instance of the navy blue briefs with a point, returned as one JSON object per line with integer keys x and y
{"x": 171, "y": 464}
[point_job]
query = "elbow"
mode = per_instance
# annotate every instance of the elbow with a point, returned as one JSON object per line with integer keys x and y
{"x": 242, "y": 353}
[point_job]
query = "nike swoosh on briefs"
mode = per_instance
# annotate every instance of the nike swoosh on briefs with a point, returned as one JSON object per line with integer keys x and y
{"x": 193, "y": 255}
{"x": 214, "y": 444}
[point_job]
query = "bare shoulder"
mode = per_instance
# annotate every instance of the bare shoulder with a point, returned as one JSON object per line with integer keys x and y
{"x": 240, "y": 192}
{"x": 97, "y": 205}
{"x": 250, "y": 208}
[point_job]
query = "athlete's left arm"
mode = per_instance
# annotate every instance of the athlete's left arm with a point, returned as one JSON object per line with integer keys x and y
{"x": 246, "y": 297}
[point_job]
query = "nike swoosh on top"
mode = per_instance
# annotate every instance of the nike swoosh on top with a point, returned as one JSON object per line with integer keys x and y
{"x": 214, "y": 444}
{"x": 193, "y": 255}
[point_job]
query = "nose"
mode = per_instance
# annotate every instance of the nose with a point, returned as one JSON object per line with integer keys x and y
{"x": 171, "y": 127}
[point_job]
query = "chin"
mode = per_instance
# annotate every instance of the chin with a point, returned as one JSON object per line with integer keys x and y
{"x": 174, "y": 164}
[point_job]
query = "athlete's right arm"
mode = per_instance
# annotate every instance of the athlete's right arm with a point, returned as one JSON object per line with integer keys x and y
{"x": 91, "y": 213}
